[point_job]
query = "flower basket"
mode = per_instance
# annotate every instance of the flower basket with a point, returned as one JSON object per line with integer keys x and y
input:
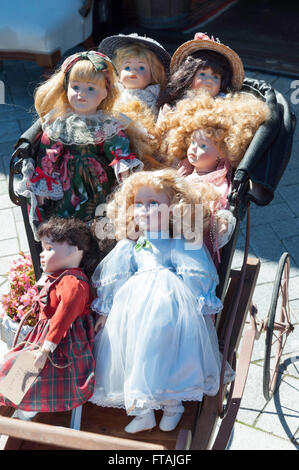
{"x": 18, "y": 301}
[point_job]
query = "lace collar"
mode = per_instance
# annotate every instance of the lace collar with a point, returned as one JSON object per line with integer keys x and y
{"x": 72, "y": 128}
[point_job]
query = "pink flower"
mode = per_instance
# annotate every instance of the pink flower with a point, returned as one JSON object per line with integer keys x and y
{"x": 202, "y": 37}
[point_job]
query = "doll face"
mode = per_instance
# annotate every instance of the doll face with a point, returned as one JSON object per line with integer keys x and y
{"x": 85, "y": 97}
{"x": 202, "y": 153}
{"x": 135, "y": 73}
{"x": 149, "y": 206}
{"x": 206, "y": 79}
{"x": 57, "y": 256}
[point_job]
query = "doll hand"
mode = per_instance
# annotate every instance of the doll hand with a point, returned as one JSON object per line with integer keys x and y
{"x": 222, "y": 226}
{"x": 40, "y": 200}
{"x": 185, "y": 168}
{"x": 40, "y": 358}
{"x": 123, "y": 175}
{"x": 100, "y": 323}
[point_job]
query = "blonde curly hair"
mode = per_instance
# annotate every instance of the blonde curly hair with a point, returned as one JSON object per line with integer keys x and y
{"x": 52, "y": 96}
{"x": 120, "y": 209}
{"x": 230, "y": 121}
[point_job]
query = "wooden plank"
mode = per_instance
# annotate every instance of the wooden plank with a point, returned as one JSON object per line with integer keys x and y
{"x": 69, "y": 438}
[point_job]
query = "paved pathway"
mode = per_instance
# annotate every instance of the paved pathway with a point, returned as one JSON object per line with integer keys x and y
{"x": 275, "y": 229}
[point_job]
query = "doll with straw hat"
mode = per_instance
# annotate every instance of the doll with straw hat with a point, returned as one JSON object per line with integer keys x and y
{"x": 203, "y": 62}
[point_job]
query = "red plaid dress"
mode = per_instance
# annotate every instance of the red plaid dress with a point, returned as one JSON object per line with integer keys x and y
{"x": 64, "y": 319}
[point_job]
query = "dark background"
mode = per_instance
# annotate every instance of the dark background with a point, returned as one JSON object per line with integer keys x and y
{"x": 265, "y": 33}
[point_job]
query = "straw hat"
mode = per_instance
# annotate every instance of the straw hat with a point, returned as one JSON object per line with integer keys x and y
{"x": 109, "y": 45}
{"x": 202, "y": 42}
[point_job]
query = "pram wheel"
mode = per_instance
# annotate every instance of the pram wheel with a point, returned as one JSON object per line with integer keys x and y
{"x": 278, "y": 327}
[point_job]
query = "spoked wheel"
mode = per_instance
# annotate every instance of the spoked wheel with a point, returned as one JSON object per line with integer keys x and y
{"x": 278, "y": 327}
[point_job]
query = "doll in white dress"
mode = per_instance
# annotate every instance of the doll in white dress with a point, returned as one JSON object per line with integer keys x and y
{"x": 157, "y": 345}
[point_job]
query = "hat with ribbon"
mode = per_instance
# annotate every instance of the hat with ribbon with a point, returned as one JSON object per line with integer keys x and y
{"x": 110, "y": 44}
{"x": 202, "y": 42}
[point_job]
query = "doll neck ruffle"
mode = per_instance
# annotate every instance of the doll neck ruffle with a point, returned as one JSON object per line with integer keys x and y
{"x": 75, "y": 129}
{"x": 217, "y": 177}
{"x": 147, "y": 95}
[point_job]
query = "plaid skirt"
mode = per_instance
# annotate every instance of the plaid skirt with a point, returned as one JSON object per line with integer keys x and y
{"x": 67, "y": 380}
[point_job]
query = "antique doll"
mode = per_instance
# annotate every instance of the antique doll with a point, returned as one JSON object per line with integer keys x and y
{"x": 202, "y": 63}
{"x": 61, "y": 341}
{"x": 81, "y": 142}
{"x": 142, "y": 65}
{"x": 214, "y": 134}
{"x": 156, "y": 289}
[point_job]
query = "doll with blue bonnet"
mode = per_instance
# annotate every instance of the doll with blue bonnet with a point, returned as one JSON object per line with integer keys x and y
{"x": 156, "y": 345}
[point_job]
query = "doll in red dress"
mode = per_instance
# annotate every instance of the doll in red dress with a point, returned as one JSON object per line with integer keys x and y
{"x": 61, "y": 342}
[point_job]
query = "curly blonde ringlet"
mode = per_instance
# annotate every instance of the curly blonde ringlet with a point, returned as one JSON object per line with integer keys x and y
{"x": 52, "y": 96}
{"x": 133, "y": 50}
{"x": 179, "y": 192}
{"x": 230, "y": 121}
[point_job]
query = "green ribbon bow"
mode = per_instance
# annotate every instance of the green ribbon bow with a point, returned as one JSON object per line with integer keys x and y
{"x": 142, "y": 243}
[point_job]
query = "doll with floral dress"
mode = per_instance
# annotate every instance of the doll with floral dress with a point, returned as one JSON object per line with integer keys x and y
{"x": 61, "y": 341}
{"x": 213, "y": 135}
{"x": 156, "y": 345}
{"x": 83, "y": 145}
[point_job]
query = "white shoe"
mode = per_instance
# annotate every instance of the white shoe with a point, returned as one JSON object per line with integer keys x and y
{"x": 142, "y": 423}
{"x": 170, "y": 420}
{"x": 24, "y": 415}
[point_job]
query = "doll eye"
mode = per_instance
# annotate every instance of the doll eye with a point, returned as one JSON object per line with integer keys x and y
{"x": 75, "y": 87}
{"x": 203, "y": 146}
{"x": 202, "y": 74}
{"x": 141, "y": 67}
{"x": 216, "y": 77}
{"x": 138, "y": 204}
{"x": 127, "y": 67}
{"x": 154, "y": 203}
{"x": 90, "y": 88}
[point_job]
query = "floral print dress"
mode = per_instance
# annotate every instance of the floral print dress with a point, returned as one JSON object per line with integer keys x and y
{"x": 73, "y": 172}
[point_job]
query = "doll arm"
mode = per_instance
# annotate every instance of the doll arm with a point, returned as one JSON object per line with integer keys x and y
{"x": 118, "y": 152}
{"x": 194, "y": 265}
{"x": 111, "y": 273}
{"x": 73, "y": 295}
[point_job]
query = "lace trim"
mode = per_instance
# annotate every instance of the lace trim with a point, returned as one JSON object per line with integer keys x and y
{"x": 83, "y": 130}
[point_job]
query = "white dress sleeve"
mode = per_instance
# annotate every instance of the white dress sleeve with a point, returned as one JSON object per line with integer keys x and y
{"x": 195, "y": 266}
{"x": 113, "y": 271}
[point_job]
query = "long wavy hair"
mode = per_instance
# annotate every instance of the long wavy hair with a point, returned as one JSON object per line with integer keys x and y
{"x": 52, "y": 95}
{"x": 182, "y": 196}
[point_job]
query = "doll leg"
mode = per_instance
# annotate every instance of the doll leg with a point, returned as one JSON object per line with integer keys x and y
{"x": 144, "y": 420}
{"x": 173, "y": 411}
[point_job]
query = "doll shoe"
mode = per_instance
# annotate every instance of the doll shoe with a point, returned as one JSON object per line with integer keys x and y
{"x": 142, "y": 423}
{"x": 24, "y": 415}
{"x": 170, "y": 420}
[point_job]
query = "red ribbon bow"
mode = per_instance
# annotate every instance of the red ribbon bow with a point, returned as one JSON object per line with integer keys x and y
{"x": 41, "y": 175}
{"x": 121, "y": 157}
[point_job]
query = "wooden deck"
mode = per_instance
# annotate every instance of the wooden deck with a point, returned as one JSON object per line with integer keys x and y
{"x": 106, "y": 425}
